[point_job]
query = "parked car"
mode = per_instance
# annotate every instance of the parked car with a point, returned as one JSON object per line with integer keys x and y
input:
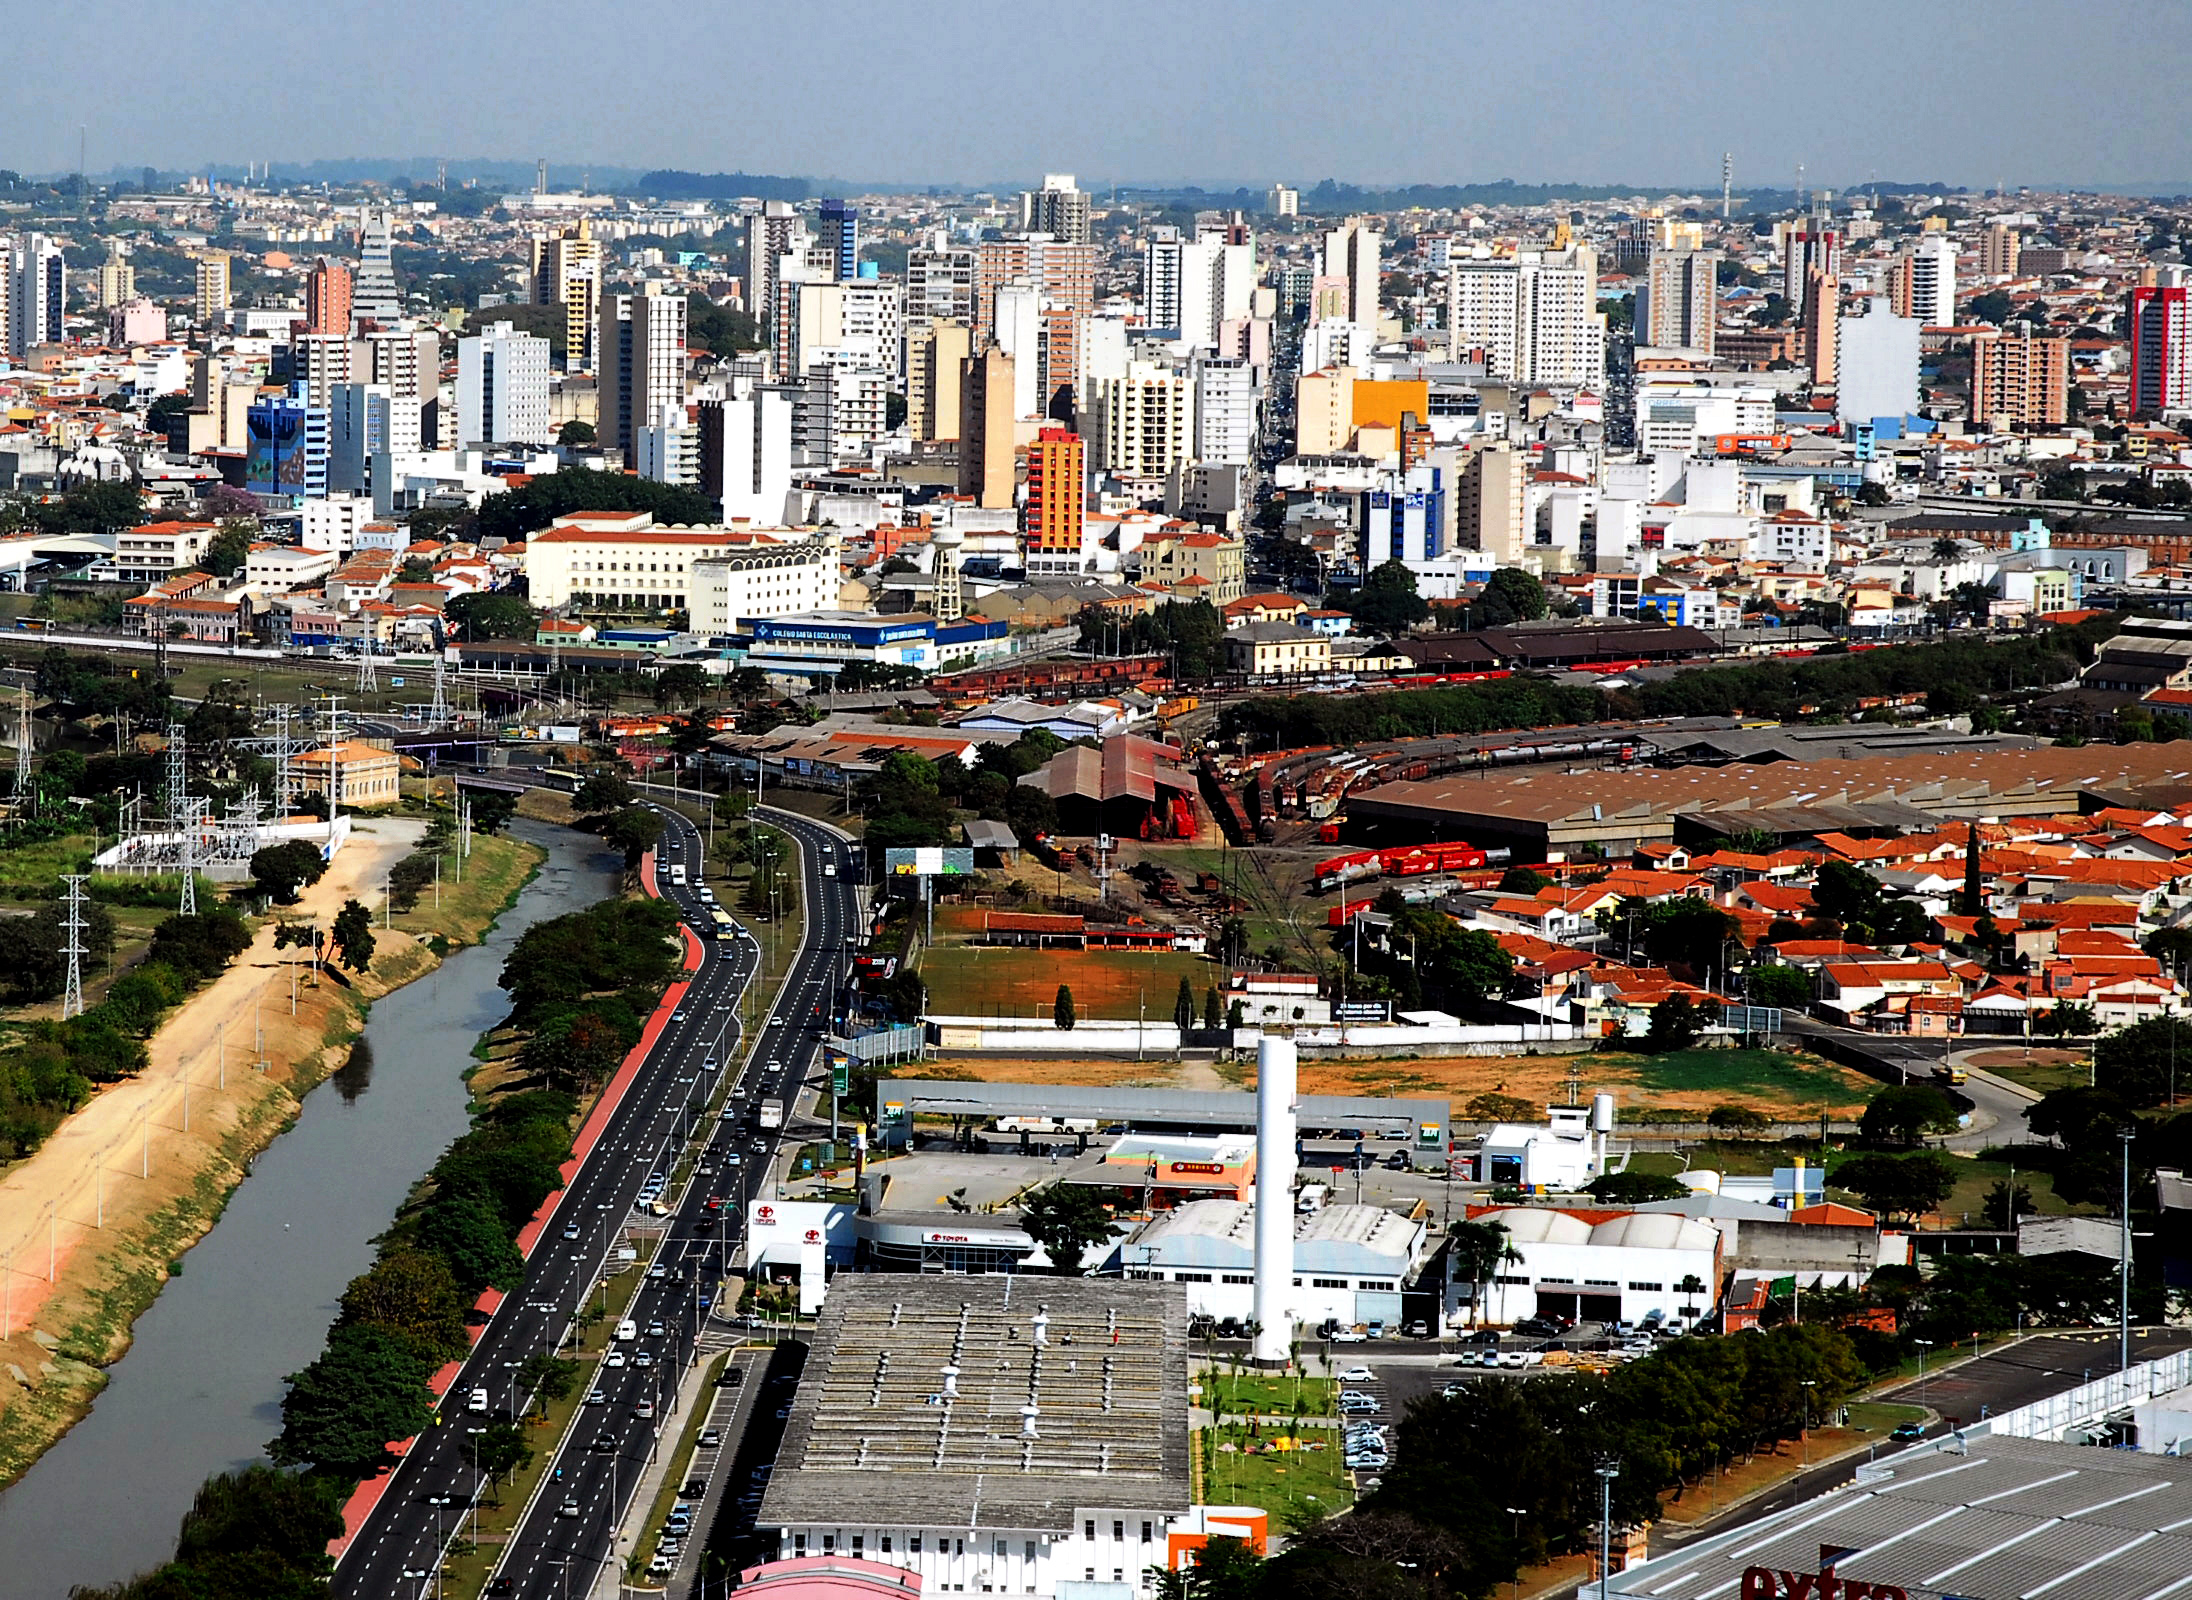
{"x": 710, "y": 1438}
{"x": 1483, "y": 1336}
{"x": 1356, "y": 1400}
{"x": 1347, "y": 1336}
{"x": 1418, "y": 1329}
{"x": 1358, "y": 1375}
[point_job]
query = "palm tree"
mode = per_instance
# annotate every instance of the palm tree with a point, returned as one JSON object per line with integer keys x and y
{"x": 1480, "y": 1250}
{"x": 1690, "y": 1287}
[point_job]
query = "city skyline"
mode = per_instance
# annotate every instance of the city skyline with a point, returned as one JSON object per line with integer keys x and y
{"x": 1232, "y": 96}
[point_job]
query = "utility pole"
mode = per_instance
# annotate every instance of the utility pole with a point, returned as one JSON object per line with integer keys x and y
{"x": 2123, "y": 1282}
{"x": 23, "y": 740}
{"x": 193, "y": 813}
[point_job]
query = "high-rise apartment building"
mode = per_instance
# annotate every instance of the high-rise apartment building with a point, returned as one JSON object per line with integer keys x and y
{"x": 1283, "y": 201}
{"x": 940, "y": 284}
{"x": 1809, "y": 247}
{"x": 1148, "y": 421}
{"x": 1819, "y": 328}
{"x": 1534, "y": 316}
{"x": 286, "y": 458}
{"x": 320, "y": 361}
{"x": 1927, "y": 278}
{"x": 567, "y": 273}
{"x": 117, "y": 283}
{"x": 2018, "y": 380}
{"x": 1057, "y": 208}
{"x": 935, "y": 351}
{"x": 772, "y": 233}
{"x": 327, "y": 298}
{"x": 1225, "y": 410}
{"x": 642, "y": 362}
{"x": 1351, "y": 254}
{"x": 1193, "y": 287}
{"x": 1061, "y": 271}
{"x": 367, "y": 420}
{"x": 746, "y": 452}
{"x": 839, "y": 226}
{"x": 985, "y": 428}
{"x": 210, "y": 298}
{"x": 1490, "y": 503}
{"x": 1680, "y": 305}
{"x": 1877, "y": 365}
{"x": 1998, "y": 251}
{"x": 2161, "y": 350}
{"x": 373, "y": 294}
{"x": 1056, "y": 493}
{"x": 862, "y": 318}
{"x": 37, "y": 292}
{"x": 502, "y": 388}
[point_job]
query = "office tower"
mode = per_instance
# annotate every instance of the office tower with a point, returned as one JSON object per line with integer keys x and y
{"x": 859, "y": 402}
{"x": 117, "y": 283}
{"x": 1534, "y": 317}
{"x": 1877, "y": 365}
{"x": 1680, "y": 307}
{"x": 210, "y": 302}
{"x": 373, "y": 294}
{"x": 935, "y": 350}
{"x": 1057, "y": 208}
{"x": 746, "y": 453}
{"x": 1225, "y": 410}
{"x": 1819, "y": 328}
{"x": 1350, "y": 254}
{"x": 1148, "y": 420}
{"x": 1282, "y": 201}
{"x": 1807, "y": 248}
{"x": 2161, "y": 350}
{"x": 1998, "y": 251}
{"x": 567, "y": 273}
{"x": 985, "y": 428}
{"x": 38, "y": 274}
{"x": 1489, "y": 504}
{"x": 940, "y": 284}
{"x": 774, "y": 232}
{"x": 2018, "y": 380}
{"x": 839, "y": 225}
{"x": 502, "y": 388}
{"x": 1056, "y": 493}
{"x": 286, "y": 457}
{"x": 327, "y": 298}
{"x": 320, "y": 361}
{"x": 366, "y": 420}
{"x": 642, "y": 352}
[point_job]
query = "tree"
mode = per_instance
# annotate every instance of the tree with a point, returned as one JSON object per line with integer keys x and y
{"x": 2068, "y": 1019}
{"x": 2005, "y": 1205}
{"x": 1676, "y": 1024}
{"x": 492, "y": 810}
{"x": 1521, "y": 880}
{"x": 1213, "y": 1012}
{"x": 634, "y": 831}
{"x": 1066, "y": 1220}
{"x": 1974, "y": 895}
{"x": 258, "y": 1509}
{"x": 1061, "y": 1009}
{"x": 365, "y": 1389}
{"x": 497, "y": 614}
{"x": 497, "y": 1451}
{"x": 2138, "y": 1064}
{"x": 1183, "y": 1008}
{"x": 1737, "y": 1119}
{"x": 604, "y": 791}
{"x": 1479, "y": 1249}
{"x": 229, "y": 548}
{"x": 1776, "y": 984}
{"x": 352, "y": 936}
{"x": 461, "y": 1227}
{"x": 550, "y": 1377}
{"x": 1994, "y": 306}
{"x": 1854, "y": 899}
{"x": 1683, "y": 932}
{"x": 1387, "y": 602}
{"x": 413, "y": 1297}
{"x": 575, "y": 435}
{"x": 1636, "y": 1188}
{"x": 556, "y": 494}
{"x": 1906, "y": 1113}
{"x": 281, "y": 869}
{"x": 680, "y": 685}
{"x": 1897, "y": 1186}
{"x": 1510, "y": 595}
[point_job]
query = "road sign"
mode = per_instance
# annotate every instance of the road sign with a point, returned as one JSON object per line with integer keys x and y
{"x": 1752, "y": 1019}
{"x": 840, "y": 1076}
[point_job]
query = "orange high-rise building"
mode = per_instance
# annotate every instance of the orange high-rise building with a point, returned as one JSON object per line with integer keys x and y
{"x": 1056, "y": 467}
{"x": 327, "y": 298}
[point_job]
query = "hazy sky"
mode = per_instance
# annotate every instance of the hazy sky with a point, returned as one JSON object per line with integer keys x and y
{"x": 2022, "y": 91}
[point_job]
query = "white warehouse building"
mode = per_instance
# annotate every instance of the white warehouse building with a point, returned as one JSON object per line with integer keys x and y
{"x": 1621, "y": 1270}
{"x": 1350, "y": 1262}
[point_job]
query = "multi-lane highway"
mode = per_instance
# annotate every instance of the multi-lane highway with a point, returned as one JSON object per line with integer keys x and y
{"x": 568, "y": 1531}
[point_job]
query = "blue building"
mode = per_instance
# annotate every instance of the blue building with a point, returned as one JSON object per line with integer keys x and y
{"x": 288, "y": 447}
{"x": 840, "y": 227}
{"x": 1407, "y": 523}
{"x": 821, "y": 644}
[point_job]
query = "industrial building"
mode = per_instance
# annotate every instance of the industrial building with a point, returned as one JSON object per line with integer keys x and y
{"x": 1559, "y": 1158}
{"x": 1622, "y": 1269}
{"x": 996, "y": 1435}
{"x": 1350, "y": 1262}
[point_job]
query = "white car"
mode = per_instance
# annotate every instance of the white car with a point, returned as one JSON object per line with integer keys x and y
{"x": 1349, "y": 1336}
{"x": 1358, "y": 1375}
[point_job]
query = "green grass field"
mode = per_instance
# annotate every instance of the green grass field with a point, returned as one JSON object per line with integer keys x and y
{"x": 2045, "y": 1076}
{"x": 1744, "y": 1075}
{"x": 1247, "y": 1394}
{"x": 1115, "y": 985}
{"x": 1274, "y": 1480}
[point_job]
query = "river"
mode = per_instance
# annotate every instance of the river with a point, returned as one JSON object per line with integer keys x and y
{"x": 200, "y": 1389}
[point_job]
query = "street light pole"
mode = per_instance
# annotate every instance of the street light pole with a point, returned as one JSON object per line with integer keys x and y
{"x": 1607, "y": 1472}
{"x": 2123, "y": 1280}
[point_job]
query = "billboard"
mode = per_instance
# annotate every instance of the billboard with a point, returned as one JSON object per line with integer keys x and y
{"x": 928, "y": 861}
{"x": 275, "y": 458}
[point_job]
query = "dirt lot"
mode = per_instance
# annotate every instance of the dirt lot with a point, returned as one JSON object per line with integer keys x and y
{"x": 980, "y": 980}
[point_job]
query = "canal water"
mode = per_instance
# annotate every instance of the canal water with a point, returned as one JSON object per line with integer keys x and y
{"x": 200, "y": 1390}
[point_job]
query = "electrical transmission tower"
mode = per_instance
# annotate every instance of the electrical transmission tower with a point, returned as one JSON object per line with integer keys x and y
{"x": 368, "y": 677}
{"x": 178, "y": 772}
{"x": 23, "y": 740}
{"x": 72, "y": 924}
{"x": 438, "y": 714}
{"x": 194, "y": 812}
{"x": 285, "y": 773}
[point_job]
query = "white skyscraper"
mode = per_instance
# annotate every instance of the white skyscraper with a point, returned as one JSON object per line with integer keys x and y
{"x": 773, "y": 233}
{"x": 373, "y": 293}
{"x": 1194, "y": 286}
{"x": 502, "y": 387}
{"x": 1878, "y": 371}
{"x": 746, "y": 453}
{"x": 669, "y": 447}
{"x": 1148, "y": 421}
{"x": 642, "y": 354}
{"x": 1933, "y": 281}
{"x": 1225, "y": 411}
{"x": 1351, "y": 253}
{"x": 36, "y": 294}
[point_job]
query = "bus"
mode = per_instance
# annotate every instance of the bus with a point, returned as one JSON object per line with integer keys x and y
{"x": 724, "y": 927}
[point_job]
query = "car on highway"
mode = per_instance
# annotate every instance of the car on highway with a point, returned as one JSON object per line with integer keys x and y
{"x": 1909, "y": 1430}
{"x": 569, "y": 1508}
{"x": 645, "y": 1411}
{"x": 614, "y": 1358}
{"x": 594, "y": 1397}
{"x": 655, "y": 1330}
{"x": 570, "y": 1230}
{"x": 677, "y": 1016}
{"x": 603, "y": 1444}
{"x": 643, "y": 1358}
{"x": 477, "y": 1401}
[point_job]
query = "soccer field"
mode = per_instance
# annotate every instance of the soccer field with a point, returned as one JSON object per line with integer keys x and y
{"x": 980, "y": 981}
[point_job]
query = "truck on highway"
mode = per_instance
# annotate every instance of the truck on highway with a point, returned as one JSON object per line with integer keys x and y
{"x": 770, "y": 1111}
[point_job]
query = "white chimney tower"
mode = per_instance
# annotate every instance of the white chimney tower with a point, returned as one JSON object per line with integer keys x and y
{"x": 1274, "y": 1201}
